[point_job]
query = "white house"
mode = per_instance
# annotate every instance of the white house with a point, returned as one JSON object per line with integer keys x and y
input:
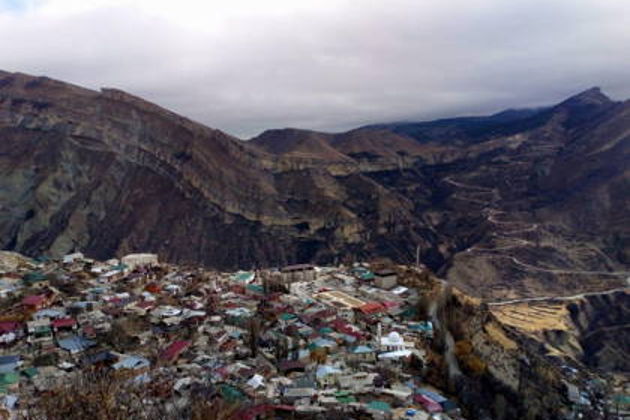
{"x": 71, "y": 258}
{"x": 135, "y": 260}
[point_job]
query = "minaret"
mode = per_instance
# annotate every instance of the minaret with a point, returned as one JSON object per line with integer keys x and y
{"x": 378, "y": 335}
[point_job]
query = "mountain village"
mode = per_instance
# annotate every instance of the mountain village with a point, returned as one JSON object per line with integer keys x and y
{"x": 290, "y": 342}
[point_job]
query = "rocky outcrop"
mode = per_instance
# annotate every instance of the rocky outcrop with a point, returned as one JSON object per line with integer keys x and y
{"x": 602, "y": 330}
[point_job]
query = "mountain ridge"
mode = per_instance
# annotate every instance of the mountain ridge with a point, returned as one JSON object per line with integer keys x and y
{"x": 109, "y": 173}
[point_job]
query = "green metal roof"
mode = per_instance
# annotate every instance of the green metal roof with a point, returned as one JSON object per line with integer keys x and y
{"x": 230, "y": 393}
{"x": 30, "y": 372}
{"x": 363, "y": 273}
{"x": 42, "y": 329}
{"x": 255, "y": 288}
{"x": 379, "y": 405}
{"x": 9, "y": 378}
{"x": 621, "y": 399}
{"x": 34, "y": 277}
{"x": 120, "y": 267}
{"x": 243, "y": 276}
{"x": 409, "y": 312}
{"x": 287, "y": 316}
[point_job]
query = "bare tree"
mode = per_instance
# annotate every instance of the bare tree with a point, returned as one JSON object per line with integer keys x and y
{"x": 254, "y": 333}
{"x": 100, "y": 395}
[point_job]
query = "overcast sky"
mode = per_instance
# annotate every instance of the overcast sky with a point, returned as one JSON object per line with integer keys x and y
{"x": 244, "y": 66}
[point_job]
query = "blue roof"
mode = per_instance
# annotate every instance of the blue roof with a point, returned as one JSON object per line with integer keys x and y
{"x": 362, "y": 349}
{"x": 75, "y": 343}
{"x": 10, "y": 400}
{"x": 49, "y": 313}
{"x": 433, "y": 395}
{"x": 8, "y": 367}
{"x": 132, "y": 362}
{"x": 82, "y": 304}
{"x": 143, "y": 378}
{"x": 422, "y": 326}
{"x": 9, "y": 364}
{"x": 9, "y": 359}
{"x": 322, "y": 342}
{"x": 325, "y": 370}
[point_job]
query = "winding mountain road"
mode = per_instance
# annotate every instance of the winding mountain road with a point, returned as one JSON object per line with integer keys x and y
{"x": 517, "y": 227}
{"x": 562, "y": 298}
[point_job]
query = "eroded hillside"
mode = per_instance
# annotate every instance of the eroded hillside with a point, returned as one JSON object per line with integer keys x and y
{"x": 519, "y": 204}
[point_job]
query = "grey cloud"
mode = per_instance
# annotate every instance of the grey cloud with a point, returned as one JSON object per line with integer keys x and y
{"x": 338, "y": 67}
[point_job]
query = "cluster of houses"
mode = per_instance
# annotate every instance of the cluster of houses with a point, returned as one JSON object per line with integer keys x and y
{"x": 299, "y": 340}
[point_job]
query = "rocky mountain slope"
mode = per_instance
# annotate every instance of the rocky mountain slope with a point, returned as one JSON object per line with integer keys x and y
{"x": 591, "y": 329}
{"x": 517, "y": 204}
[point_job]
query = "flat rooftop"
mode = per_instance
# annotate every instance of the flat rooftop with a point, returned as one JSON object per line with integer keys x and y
{"x": 336, "y": 297}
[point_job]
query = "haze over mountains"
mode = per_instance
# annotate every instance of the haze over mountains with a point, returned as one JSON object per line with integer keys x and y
{"x": 520, "y": 203}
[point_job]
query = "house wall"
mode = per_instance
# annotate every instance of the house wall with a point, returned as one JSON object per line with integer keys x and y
{"x": 387, "y": 282}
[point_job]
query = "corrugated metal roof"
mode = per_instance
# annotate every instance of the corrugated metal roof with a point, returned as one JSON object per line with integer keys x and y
{"x": 75, "y": 343}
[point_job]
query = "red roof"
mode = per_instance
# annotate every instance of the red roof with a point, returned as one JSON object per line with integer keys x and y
{"x": 324, "y": 313}
{"x": 342, "y": 326}
{"x": 8, "y": 326}
{"x": 371, "y": 308}
{"x": 291, "y": 365}
{"x": 429, "y": 405}
{"x": 34, "y": 300}
{"x": 274, "y": 296}
{"x": 238, "y": 288}
{"x": 228, "y": 345}
{"x": 64, "y": 322}
{"x": 89, "y": 330}
{"x": 145, "y": 304}
{"x": 172, "y": 352}
{"x": 153, "y": 288}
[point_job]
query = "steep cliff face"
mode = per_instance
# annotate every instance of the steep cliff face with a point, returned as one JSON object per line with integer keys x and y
{"x": 109, "y": 173}
{"x": 506, "y": 372}
{"x": 590, "y": 329}
{"x": 497, "y": 205}
{"x": 601, "y": 327}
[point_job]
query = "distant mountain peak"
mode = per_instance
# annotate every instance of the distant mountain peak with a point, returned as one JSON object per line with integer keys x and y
{"x": 592, "y": 96}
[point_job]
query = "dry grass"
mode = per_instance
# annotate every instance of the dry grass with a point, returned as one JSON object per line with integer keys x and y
{"x": 533, "y": 317}
{"x": 466, "y": 298}
{"x": 496, "y": 334}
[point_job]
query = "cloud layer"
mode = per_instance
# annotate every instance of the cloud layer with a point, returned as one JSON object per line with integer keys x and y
{"x": 247, "y": 65}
